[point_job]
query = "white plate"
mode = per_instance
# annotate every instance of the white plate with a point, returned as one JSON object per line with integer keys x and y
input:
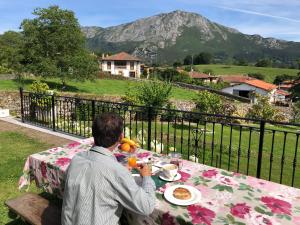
{"x": 176, "y": 178}
{"x": 196, "y": 195}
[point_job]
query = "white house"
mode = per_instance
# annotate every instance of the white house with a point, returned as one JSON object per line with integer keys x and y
{"x": 122, "y": 64}
{"x": 253, "y": 86}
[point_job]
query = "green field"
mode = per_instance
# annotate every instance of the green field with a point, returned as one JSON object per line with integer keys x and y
{"x": 98, "y": 87}
{"x": 14, "y": 149}
{"x": 226, "y": 146}
{"x": 226, "y": 154}
{"x": 270, "y": 73}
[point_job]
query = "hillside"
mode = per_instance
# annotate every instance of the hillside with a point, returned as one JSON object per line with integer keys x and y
{"x": 171, "y": 36}
{"x": 270, "y": 73}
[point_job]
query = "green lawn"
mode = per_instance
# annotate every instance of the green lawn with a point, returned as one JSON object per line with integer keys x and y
{"x": 98, "y": 87}
{"x": 270, "y": 73}
{"x": 14, "y": 149}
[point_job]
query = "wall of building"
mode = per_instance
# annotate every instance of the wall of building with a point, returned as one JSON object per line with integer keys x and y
{"x": 246, "y": 87}
{"x": 115, "y": 70}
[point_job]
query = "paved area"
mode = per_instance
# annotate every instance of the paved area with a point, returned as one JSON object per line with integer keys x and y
{"x": 54, "y": 138}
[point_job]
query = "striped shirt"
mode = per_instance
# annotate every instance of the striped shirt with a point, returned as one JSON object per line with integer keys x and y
{"x": 98, "y": 188}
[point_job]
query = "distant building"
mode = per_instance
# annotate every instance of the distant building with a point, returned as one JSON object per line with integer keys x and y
{"x": 122, "y": 64}
{"x": 248, "y": 87}
{"x": 235, "y": 79}
{"x": 206, "y": 78}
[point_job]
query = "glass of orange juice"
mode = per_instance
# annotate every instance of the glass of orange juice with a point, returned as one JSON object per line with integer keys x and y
{"x": 132, "y": 161}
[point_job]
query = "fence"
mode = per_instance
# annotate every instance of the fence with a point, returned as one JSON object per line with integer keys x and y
{"x": 265, "y": 149}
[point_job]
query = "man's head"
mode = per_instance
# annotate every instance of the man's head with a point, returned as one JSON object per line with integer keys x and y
{"x": 107, "y": 129}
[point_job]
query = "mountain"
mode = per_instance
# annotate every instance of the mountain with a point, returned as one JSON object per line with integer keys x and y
{"x": 171, "y": 36}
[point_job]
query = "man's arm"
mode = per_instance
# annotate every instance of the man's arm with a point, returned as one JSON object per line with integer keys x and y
{"x": 140, "y": 200}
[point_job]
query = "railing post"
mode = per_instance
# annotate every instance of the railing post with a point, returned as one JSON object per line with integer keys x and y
{"x": 53, "y": 112}
{"x": 150, "y": 109}
{"x": 260, "y": 147}
{"x": 22, "y": 104}
{"x": 93, "y": 110}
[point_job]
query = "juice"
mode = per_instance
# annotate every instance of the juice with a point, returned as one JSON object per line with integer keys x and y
{"x": 132, "y": 162}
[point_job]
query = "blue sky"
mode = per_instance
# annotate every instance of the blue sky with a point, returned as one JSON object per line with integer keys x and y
{"x": 269, "y": 18}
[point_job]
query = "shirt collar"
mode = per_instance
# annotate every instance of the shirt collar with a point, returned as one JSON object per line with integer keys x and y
{"x": 103, "y": 151}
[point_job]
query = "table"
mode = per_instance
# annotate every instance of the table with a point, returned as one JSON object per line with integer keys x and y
{"x": 227, "y": 197}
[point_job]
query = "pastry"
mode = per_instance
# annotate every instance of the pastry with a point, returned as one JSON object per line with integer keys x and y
{"x": 182, "y": 193}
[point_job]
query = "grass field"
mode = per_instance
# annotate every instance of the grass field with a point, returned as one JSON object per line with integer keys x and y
{"x": 98, "y": 87}
{"x": 14, "y": 149}
{"x": 270, "y": 73}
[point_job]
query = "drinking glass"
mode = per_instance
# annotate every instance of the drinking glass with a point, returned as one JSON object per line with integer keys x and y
{"x": 176, "y": 159}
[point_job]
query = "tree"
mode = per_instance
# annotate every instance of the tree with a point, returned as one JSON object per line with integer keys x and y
{"x": 10, "y": 50}
{"x": 170, "y": 75}
{"x": 258, "y": 76}
{"x": 203, "y": 58}
{"x": 283, "y": 77}
{"x": 54, "y": 46}
{"x": 177, "y": 64}
{"x": 264, "y": 63}
{"x": 188, "y": 60}
{"x": 296, "y": 112}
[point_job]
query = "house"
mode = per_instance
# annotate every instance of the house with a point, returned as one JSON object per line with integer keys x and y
{"x": 206, "y": 78}
{"x": 122, "y": 64}
{"x": 282, "y": 97}
{"x": 249, "y": 87}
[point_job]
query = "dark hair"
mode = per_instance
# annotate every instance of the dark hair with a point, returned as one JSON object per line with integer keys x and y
{"x": 106, "y": 129}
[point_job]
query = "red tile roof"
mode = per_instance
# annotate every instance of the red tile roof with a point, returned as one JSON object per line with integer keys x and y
{"x": 235, "y": 78}
{"x": 282, "y": 92}
{"x": 122, "y": 56}
{"x": 200, "y": 75}
{"x": 261, "y": 84}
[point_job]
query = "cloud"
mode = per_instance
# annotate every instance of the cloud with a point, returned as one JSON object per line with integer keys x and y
{"x": 259, "y": 14}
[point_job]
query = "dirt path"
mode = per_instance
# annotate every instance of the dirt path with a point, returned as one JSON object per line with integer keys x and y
{"x": 51, "y": 139}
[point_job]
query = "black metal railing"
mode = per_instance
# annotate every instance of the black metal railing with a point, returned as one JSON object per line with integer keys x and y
{"x": 265, "y": 149}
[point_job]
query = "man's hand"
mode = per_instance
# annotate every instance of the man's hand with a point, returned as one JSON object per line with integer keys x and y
{"x": 144, "y": 170}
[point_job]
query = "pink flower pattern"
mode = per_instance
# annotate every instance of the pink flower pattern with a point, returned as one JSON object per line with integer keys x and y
{"x": 63, "y": 161}
{"x": 184, "y": 176}
{"x": 210, "y": 173}
{"x": 240, "y": 210}
{"x": 277, "y": 206}
{"x": 201, "y": 215}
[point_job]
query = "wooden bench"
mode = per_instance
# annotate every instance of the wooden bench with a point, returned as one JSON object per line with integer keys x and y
{"x": 35, "y": 209}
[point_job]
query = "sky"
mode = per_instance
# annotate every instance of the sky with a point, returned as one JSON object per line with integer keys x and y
{"x": 269, "y": 18}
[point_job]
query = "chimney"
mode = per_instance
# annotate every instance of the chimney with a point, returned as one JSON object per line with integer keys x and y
{"x": 102, "y": 55}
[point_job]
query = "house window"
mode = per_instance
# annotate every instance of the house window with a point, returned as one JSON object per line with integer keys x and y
{"x": 120, "y": 64}
{"x": 109, "y": 65}
{"x": 131, "y": 65}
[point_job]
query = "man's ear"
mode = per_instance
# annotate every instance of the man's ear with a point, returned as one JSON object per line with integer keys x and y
{"x": 121, "y": 136}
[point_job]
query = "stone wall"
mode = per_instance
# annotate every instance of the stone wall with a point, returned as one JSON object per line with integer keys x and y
{"x": 11, "y": 100}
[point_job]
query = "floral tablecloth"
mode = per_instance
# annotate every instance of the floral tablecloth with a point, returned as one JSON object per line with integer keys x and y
{"x": 227, "y": 198}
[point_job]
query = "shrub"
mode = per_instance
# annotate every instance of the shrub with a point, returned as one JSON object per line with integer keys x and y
{"x": 39, "y": 87}
{"x": 211, "y": 103}
{"x": 4, "y": 70}
{"x": 258, "y": 76}
{"x": 264, "y": 63}
{"x": 150, "y": 94}
{"x": 262, "y": 109}
{"x": 283, "y": 77}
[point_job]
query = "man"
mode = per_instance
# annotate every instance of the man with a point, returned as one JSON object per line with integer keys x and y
{"x": 98, "y": 187}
